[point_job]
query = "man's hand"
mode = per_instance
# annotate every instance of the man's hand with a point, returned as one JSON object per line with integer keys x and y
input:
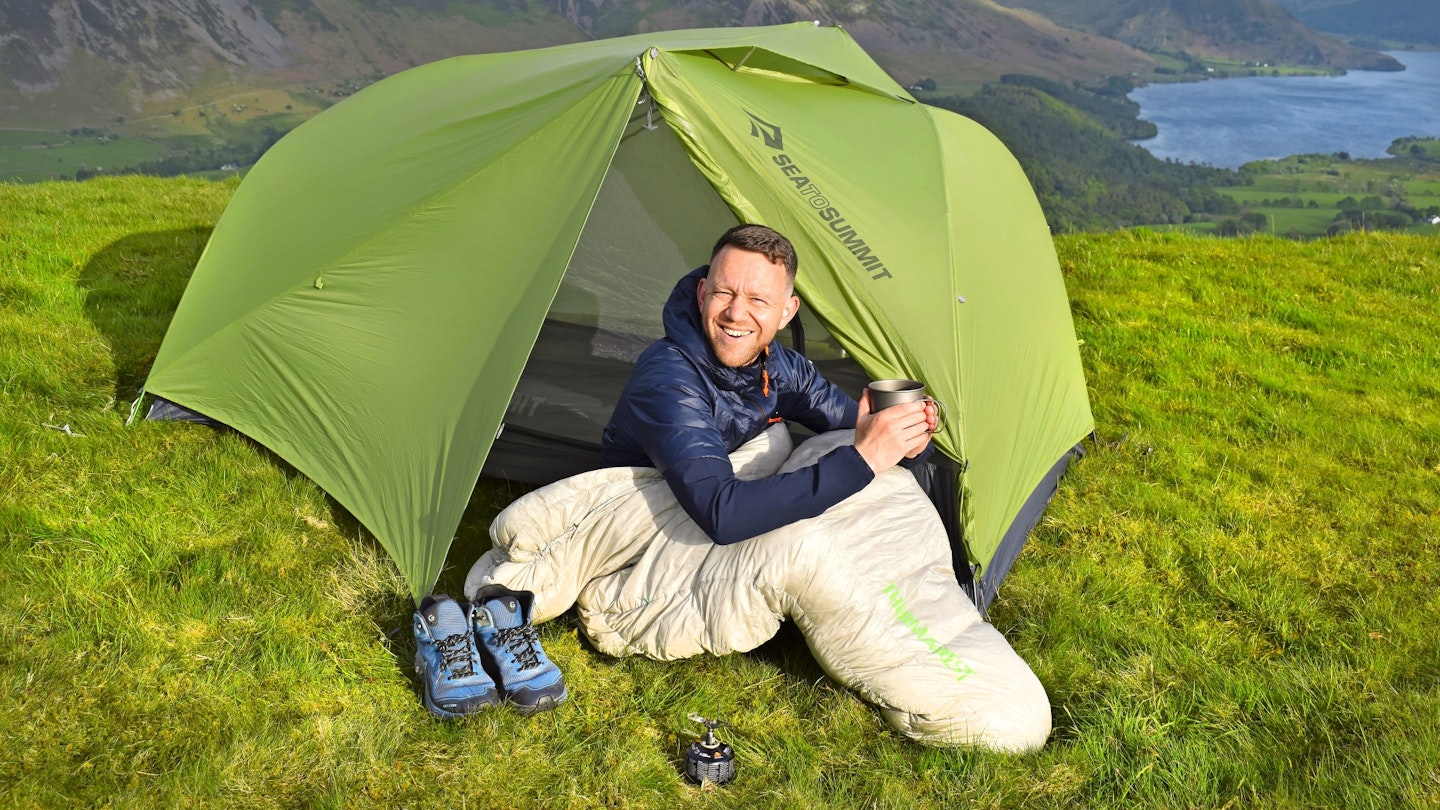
{"x": 899, "y": 431}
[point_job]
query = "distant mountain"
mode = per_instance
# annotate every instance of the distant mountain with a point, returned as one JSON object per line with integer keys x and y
{"x": 81, "y": 61}
{"x": 86, "y": 61}
{"x": 954, "y": 42}
{"x": 1398, "y": 21}
{"x": 67, "y": 63}
{"x": 1248, "y": 30}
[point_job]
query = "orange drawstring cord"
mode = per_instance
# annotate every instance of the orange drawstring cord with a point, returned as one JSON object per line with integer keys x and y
{"x": 765, "y": 383}
{"x": 765, "y": 374}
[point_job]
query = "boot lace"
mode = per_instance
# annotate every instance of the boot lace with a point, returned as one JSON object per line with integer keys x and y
{"x": 455, "y": 655}
{"x": 523, "y": 644}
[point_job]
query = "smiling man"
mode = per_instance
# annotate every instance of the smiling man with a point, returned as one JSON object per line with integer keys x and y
{"x": 719, "y": 378}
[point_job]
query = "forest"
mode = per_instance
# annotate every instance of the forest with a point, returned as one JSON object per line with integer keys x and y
{"x": 1087, "y": 176}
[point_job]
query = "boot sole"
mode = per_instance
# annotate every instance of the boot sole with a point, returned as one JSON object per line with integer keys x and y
{"x": 545, "y": 704}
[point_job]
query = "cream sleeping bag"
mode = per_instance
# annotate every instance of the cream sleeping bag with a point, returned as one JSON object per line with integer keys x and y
{"x": 869, "y": 583}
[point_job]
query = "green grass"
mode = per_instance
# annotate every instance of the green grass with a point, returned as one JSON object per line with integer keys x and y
{"x": 236, "y": 126}
{"x": 1232, "y": 600}
{"x": 32, "y": 156}
{"x": 1285, "y": 220}
{"x": 21, "y": 138}
{"x": 1326, "y": 180}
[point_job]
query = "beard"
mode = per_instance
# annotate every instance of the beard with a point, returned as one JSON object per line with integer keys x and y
{"x": 736, "y": 353}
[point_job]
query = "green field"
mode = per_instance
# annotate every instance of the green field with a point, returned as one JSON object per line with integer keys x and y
{"x": 29, "y": 156}
{"x": 197, "y": 138}
{"x": 1231, "y": 601}
{"x": 1301, "y": 195}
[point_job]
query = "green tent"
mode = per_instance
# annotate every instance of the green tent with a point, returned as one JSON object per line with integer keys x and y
{"x": 481, "y": 246}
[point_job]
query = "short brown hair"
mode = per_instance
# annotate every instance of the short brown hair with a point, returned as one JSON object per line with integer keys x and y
{"x": 768, "y": 242}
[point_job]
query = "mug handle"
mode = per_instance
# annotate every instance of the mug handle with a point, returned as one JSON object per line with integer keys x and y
{"x": 939, "y": 414}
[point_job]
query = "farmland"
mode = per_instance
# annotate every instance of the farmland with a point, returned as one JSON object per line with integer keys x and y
{"x": 1306, "y": 196}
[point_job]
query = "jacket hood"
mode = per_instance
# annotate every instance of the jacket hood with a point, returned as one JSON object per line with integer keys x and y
{"x": 682, "y": 327}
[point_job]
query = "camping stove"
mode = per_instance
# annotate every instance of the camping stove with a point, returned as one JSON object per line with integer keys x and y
{"x": 709, "y": 759}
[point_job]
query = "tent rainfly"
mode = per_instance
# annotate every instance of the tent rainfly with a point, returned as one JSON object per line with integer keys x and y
{"x": 479, "y": 248}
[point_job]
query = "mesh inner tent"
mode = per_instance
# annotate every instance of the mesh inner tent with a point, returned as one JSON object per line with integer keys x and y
{"x": 655, "y": 219}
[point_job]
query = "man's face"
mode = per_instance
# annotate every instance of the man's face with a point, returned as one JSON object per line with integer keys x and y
{"x": 743, "y": 303}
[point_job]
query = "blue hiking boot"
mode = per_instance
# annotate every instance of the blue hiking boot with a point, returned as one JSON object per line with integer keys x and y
{"x": 447, "y": 662}
{"x": 510, "y": 646}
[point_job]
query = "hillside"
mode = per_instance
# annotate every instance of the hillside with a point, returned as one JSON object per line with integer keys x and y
{"x": 1243, "y": 30}
{"x": 1404, "y": 21}
{"x": 86, "y": 63}
{"x": 1086, "y": 177}
{"x": 957, "y": 44}
{"x": 91, "y": 63}
{"x": 205, "y": 86}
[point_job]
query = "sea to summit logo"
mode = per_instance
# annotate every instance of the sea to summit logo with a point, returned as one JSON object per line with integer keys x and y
{"x": 760, "y": 128}
{"x": 816, "y": 199}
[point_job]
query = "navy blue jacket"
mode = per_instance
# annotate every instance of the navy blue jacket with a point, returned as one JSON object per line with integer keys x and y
{"x": 683, "y": 413}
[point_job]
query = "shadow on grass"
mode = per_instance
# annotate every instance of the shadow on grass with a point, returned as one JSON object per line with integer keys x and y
{"x": 788, "y": 652}
{"x": 132, "y": 287}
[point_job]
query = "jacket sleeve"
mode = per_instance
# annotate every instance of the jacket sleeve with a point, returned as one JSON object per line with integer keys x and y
{"x": 815, "y": 402}
{"x": 730, "y": 510}
{"x": 675, "y": 428}
{"x": 822, "y": 406}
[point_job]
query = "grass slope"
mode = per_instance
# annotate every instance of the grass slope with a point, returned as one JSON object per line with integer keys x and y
{"x": 1232, "y": 600}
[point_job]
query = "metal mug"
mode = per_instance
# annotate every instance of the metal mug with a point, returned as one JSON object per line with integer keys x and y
{"x": 884, "y": 393}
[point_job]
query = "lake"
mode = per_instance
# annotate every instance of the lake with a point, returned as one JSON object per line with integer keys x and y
{"x": 1228, "y": 122}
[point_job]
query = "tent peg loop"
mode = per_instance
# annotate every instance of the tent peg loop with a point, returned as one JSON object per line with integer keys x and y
{"x": 134, "y": 406}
